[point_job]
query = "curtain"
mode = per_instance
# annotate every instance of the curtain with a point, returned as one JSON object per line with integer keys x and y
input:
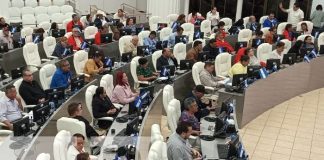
{"x": 163, "y": 8}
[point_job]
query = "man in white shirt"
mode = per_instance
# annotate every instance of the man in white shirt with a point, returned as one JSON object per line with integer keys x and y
{"x": 295, "y": 14}
{"x": 207, "y": 78}
{"x": 213, "y": 16}
{"x": 6, "y": 37}
{"x": 278, "y": 52}
{"x": 76, "y": 147}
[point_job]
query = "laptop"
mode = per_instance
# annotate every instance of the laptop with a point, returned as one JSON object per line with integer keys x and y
{"x": 78, "y": 26}
{"x": 182, "y": 39}
{"x": 277, "y": 38}
{"x": 127, "y": 57}
{"x": 321, "y": 51}
{"x": 139, "y": 29}
{"x": 115, "y": 22}
{"x": 257, "y": 42}
{"x": 161, "y": 44}
{"x": 17, "y": 73}
{"x": 198, "y": 22}
{"x": 273, "y": 62}
{"x": 143, "y": 51}
{"x": 106, "y": 38}
{"x": 167, "y": 71}
{"x": 109, "y": 62}
{"x": 198, "y": 35}
{"x": 37, "y": 37}
{"x": 58, "y": 33}
{"x": 239, "y": 45}
{"x": 160, "y": 26}
{"x": 204, "y": 56}
{"x": 89, "y": 41}
{"x": 15, "y": 27}
{"x": 289, "y": 58}
{"x": 186, "y": 64}
{"x": 4, "y": 47}
{"x": 126, "y": 31}
{"x": 253, "y": 71}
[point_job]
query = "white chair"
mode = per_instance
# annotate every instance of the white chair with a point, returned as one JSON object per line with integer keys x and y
{"x": 68, "y": 15}
{"x": 228, "y": 23}
{"x": 66, "y": 9}
{"x": 262, "y": 19}
{"x": 14, "y": 14}
{"x": 245, "y": 20}
{"x": 180, "y": 52}
{"x": 133, "y": 67}
{"x": 17, "y": 3}
{"x": 153, "y": 21}
{"x": 49, "y": 44}
{"x": 53, "y": 9}
{"x": 171, "y": 18}
{"x": 264, "y": 51}
{"x": 40, "y": 10}
{"x": 31, "y": 3}
{"x": 31, "y": 55}
{"x": 27, "y": 33}
{"x": 68, "y": 34}
{"x": 244, "y": 35}
{"x": 165, "y": 33}
{"x": 302, "y": 37}
{"x": 43, "y": 156}
{"x": 309, "y": 26}
{"x": 60, "y": 144}
{"x": 141, "y": 36}
{"x": 80, "y": 58}
{"x": 107, "y": 82}
{"x": 45, "y": 75}
{"x": 122, "y": 42}
{"x": 90, "y": 32}
{"x": 205, "y": 27}
{"x": 17, "y": 86}
{"x": 45, "y": 3}
{"x": 27, "y": 10}
{"x": 42, "y": 18}
{"x": 190, "y": 16}
{"x": 196, "y": 69}
{"x": 223, "y": 64}
{"x": 29, "y": 20}
{"x": 58, "y": 18}
{"x": 158, "y": 151}
{"x": 155, "y": 56}
{"x": 173, "y": 114}
{"x": 287, "y": 45}
{"x": 320, "y": 40}
{"x": 59, "y": 2}
{"x": 188, "y": 30}
{"x": 83, "y": 20}
{"x": 201, "y": 40}
{"x": 168, "y": 95}
{"x": 156, "y": 133}
{"x": 265, "y": 31}
{"x": 45, "y": 25}
{"x": 65, "y": 22}
{"x": 281, "y": 27}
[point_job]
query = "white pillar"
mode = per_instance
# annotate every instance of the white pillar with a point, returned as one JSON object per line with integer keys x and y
{"x": 186, "y": 7}
{"x": 239, "y": 10}
{"x": 4, "y": 8}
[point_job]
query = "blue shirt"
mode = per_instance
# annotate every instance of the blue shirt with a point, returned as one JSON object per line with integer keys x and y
{"x": 270, "y": 23}
{"x": 60, "y": 79}
{"x": 150, "y": 42}
{"x": 61, "y": 51}
{"x": 172, "y": 39}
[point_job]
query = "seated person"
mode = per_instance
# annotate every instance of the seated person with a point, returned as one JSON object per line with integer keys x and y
{"x": 278, "y": 52}
{"x": 304, "y": 29}
{"x": 121, "y": 15}
{"x": 188, "y": 115}
{"x": 130, "y": 25}
{"x": 207, "y": 78}
{"x": 75, "y": 21}
{"x": 87, "y": 21}
{"x": 102, "y": 107}
{"x": 271, "y": 21}
{"x": 287, "y": 33}
{"x": 220, "y": 28}
{"x": 6, "y": 37}
{"x": 178, "y": 146}
{"x": 176, "y": 24}
{"x": 194, "y": 17}
{"x": 167, "y": 58}
{"x": 100, "y": 20}
{"x": 236, "y": 27}
{"x": 104, "y": 30}
{"x": 210, "y": 46}
{"x": 220, "y": 42}
{"x": 122, "y": 92}
{"x": 75, "y": 39}
{"x": 10, "y": 107}
{"x": 151, "y": 41}
{"x": 250, "y": 52}
{"x": 62, "y": 49}
{"x": 296, "y": 47}
{"x": 62, "y": 76}
{"x": 54, "y": 27}
{"x": 240, "y": 67}
{"x": 76, "y": 147}
{"x": 308, "y": 43}
{"x": 269, "y": 38}
{"x": 171, "y": 41}
{"x": 83, "y": 156}
{"x": 3, "y": 23}
{"x": 193, "y": 52}
{"x": 144, "y": 72}
{"x": 252, "y": 24}
{"x": 94, "y": 66}
{"x": 132, "y": 46}
{"x": 30, "y": 91}
{"x": 257, "y": 35}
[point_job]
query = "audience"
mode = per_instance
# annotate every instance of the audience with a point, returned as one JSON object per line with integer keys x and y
{"x": 83, "y": 156}
{"x": 296, "y": 47}
{"x": 188, "y": 115}
{"x": 150, "y": 41}
{"x": 172, "y": 38}
{"x": 130, "y": 25}
{"x": 220, "y": 28}
{"x": 195, "y": 17}
{"x": 207, "y": 78}
{"x": 271, "y": 21}
{"x": 75, "y": 22}
{"x": 221, "y": 43}
{"x": 295, "y": 14}
{"x": 258, "y": 35}
{"x": 3, "y": 23}
{"x": 62, "y": 76}
{"x": 270, "y": 37}
{"x": 278, "y": 52}
{"x": 308, "y": 43}
{"x": 144, "y": 72}
{"x": 76, "y": 147}
{"x": 240, "y": 67}
{"x": 75, "y": 40}
{"x": 176, "y": 24}
{"x": 304, "y": 29}
{"x": 317, "y": 17}
{"x": 54, "y": 27}
{"x": 10, "y": 107}
{"x": 254, "y": 61}
{"x": 94, "y": 66}
{"x": 237, "y": 27}
{"x": 102, "y": 107}
{"x": 121, "y": 15}
{"x": 213, "y": 16}
{"x": 104, "y": 30}
{"x": 167, "y": 58}
{"x": 6, "y": 37}
{"x": 29, "y": 90}
{"x": 88, "y": 21}
{"x": 100, "y": 20}
{"x": 287, "y": 33}
{"x": 252, "y": 24}
{"x": 193, "y": 53}
{"x": 62, "y": 49}
{"x": 178, "y": 145}
{"x": 132, "y": 46}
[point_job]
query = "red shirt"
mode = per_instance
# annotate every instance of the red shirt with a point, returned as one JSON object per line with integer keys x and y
{"x": 71, "y": 41}
{"x": 70, "y": 25}
{"x": 286, "y": 34}
{"x": 98, "y": 38}
{"x": 239, "y": 54}
{"x": 224, "y": 45}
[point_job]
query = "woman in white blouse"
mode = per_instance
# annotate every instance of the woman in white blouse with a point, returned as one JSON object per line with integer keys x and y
{"x": 213, "y": 16}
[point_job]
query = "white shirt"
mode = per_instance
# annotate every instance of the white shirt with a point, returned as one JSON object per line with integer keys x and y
{"x": 72, "y": 153}
{"x": 275, "y": 55}
{"x": 9, "y": 109}
{"x": 214, "y": 18}
{"x": 294, "y": 16}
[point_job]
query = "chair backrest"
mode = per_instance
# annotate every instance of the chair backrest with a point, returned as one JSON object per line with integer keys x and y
{"x": 133, "y": 68}
{"x": 91, "y": 90}
{"x": 153, "y": 21}
{"x": 43, "y": 156}
{"x": 320, "y": 40}
{"x": 171, "y": 18}
{"x": 65, "y": 22}
{"x": 223, "y": 63}
{"x": 190, "y": 16}
{"x": 309, "y": 26}
{"x": 168, "y": 95}
{"x": 265, "y": 31}
{"x": 264, "y": 51}
{"x": 79, "y": 60}
{"x": 60, "y": 144}
{"x": 165, "y": 33}
{"x": 26, "y": 31}
{"x": 156, "y": 133}
{"x": 41, "y": 10}
{"x": 188, "y": 30}
{"x": 31, "y": 3}
{"x": 66, "y": 9}
{"x": 107, "y": 82}
{"x": 14, "y": 12}
{"x": 302, "y": 37}
{"x": 141, "y": 36}
{"x": 42, "y": 18}
{"x": 58, "y": 18}
{"x": 262, "y": 19}
{"x": 45, "y": 75}
{"x": 205, "y": 26}
{"x": 59, "y": 2}
{"x": 228, "y": 23}
{"x": 281, "y": 27}
{"x": 179, "y": 51}
{"x": 287, "y": 45}
{"x": 201, "y": 40}
{"x": 196, "y": 69}
{"x": 17, "y": 86}
{"x": 173, "y": 114}
{"x": 90, "y": 32}
{"x": 28, "y": 20}
{"x": 68, "y": 15}
{"x": 244, "y": 35}
{"x": 53, "y": 9}
{"x": 158, "y": 151}
{"x": 45, "y": 3}
{"x": 27, "y": 10}
{"x": 17, "y": 3}
{"x": 49, "y": 44}
{"x": 83, "y": 19}
{"x": 245, "y": 20}
{"x": 68, "y": 34}
{"x": 155, "y": 56}
{"x": 122, "y": 41}
{"x": 31, "y": 55}
{"x": 72, "y": 125}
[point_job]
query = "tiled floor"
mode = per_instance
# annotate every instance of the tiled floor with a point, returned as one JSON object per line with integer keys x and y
{"x": 293, "y": 130}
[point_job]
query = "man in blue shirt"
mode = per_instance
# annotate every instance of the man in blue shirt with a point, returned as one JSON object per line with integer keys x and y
{"x": 62, "y": 76}
{"x": 151, "y": 41}
{"x": 173, "y": 35}
{"x": 271, "y": 21}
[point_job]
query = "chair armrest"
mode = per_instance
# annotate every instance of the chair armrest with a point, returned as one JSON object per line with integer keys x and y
{"x": 118, "y": 106}
{"x": 106, "y": 118}
{"x": 87, "y": 75}
{"x": 144, "y": 82}
{"x": 2, "y": 124}
{"x": 92, "y": 157}
{"x": 192, "y": 137}
{"x": 34, "y": 65}
{"x": 220, "y": 76}
{"x": 45, "y": 60}
{"x": 52, "y": 57}
{"x": 29, "y": 106}
{"x": 209, "y": 88}
{"x": 5, "y": 132}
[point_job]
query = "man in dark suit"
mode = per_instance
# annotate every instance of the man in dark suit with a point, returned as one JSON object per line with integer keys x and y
{"x": 167, "y": 58}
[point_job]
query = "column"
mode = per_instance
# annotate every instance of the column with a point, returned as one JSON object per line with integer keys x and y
{"x": 239, "y": 10}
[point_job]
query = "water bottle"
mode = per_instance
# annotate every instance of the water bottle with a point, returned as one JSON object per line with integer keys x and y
{"x": 52, "y": 106}
{"x": 134, "y": 139}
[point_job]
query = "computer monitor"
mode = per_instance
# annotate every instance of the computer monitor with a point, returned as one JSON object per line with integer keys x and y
{"x": 89, "y": 42}
{"x": 227, "y": 108}
{"x": 132, "y": 127}
{"x": 15, "y": 27}
{"x": 21, "y": 127}
{"x": 233, "y": 146}
{"x": 68, "y": 51}
{"x": 182, "y": 38}
{"x": 77, "y": 83}
{"x": 37, "y": 37}
{"x": 17, "y": 73}
{"x": 271, "y": 63}
{"x": 277, "y": 38}
{"x": 55, "y": 94}
{"x": 126, "y": 31}
{"x": 106, "y": 38}
{"x": 139, "y": 29}
{"x": 127, "y": 57}
{"x": 238, "y": 80}
{"x": 160, "y": 26}
{"x": 204, "y": 56}
{"x": 253, "y": 72}
{"x": 4, "y": 47}
{"x": 257, "y": 42}
{"x": 289, "y": 58}
{"x": 198, "y": 35}
{"x": 143, "y": 51}
{"x": 306, "y": 51}
{"x": 186, "y": 64}
{"x": 109, "y": 62}
{"x": 220, "y": 126}
{"x": 167, "y": 71}
{"x": 115, "y": 22}
{"x": 41, "y": 113}
{"x": 239, "y": 45}
{"x": 146, "y": 99}
{"x": 198, "y": 21}
{"x": 58, "y": 33}
{"x": 295, "y": 35}
{"x": 161, "y": 44}
{"x": 321, "y": 51}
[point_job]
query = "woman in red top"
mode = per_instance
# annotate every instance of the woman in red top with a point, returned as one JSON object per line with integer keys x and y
{"x": 220, "y": 42}
{"x": 104, "y": 30}
{"x": 288, "y": 32}
{"x": 75, "y": 39}
{"x": 75, "y": 21}
{"x": 239, "y": 54}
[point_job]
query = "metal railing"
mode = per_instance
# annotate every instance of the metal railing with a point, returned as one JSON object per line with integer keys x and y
{"x": 141, "y": 16}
